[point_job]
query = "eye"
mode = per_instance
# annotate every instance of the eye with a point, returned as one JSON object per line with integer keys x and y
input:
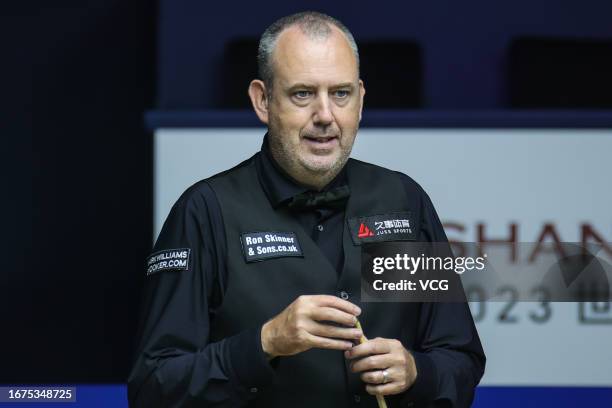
{"x": 342, "y": 93}
{"x": 302, "y": 94}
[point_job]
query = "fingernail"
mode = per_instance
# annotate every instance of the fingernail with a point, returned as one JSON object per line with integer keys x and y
{"x": 357, "y": 310}
{"x": 347, "y": 354}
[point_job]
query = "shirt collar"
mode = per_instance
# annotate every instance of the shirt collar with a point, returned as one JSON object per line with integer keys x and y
{"x": 278, "y": 185}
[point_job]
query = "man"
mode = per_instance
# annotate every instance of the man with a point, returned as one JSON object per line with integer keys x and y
{"x": 252, "y": 291}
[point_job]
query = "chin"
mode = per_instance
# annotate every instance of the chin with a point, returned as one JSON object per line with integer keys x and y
{"x": 321, "y": 165}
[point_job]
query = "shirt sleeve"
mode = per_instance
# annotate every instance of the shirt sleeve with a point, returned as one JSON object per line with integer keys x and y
{"x": 175, "y": 364}
{"x": 449, "y": 357}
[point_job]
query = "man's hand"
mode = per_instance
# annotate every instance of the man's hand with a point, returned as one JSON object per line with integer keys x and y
{"x": 304, "y": 325}
{"x": 388, "y": 355}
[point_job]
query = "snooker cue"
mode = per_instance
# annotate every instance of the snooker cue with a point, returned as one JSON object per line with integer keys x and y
{"x": 379, "y": 398}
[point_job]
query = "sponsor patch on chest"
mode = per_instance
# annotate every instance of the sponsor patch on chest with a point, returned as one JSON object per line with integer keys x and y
{"x": 170, "y": 259}
{"x": 397, "y": 226}
{"x": 258, "y": 246}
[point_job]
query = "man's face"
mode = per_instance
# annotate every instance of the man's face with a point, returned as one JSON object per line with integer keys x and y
{"x": 315, "y": 104}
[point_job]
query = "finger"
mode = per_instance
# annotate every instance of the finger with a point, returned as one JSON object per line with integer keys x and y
{"x": 383, "y": 389}
{"x": 330, "y": 314}
{"x": 326, "y": 330}
{"x": 376, "y": 362}
{"x": 376, "y": 377}
{"x": 370, "y": 347}
{"x": 336, "y": 303}
{"x": 327, "y": 343}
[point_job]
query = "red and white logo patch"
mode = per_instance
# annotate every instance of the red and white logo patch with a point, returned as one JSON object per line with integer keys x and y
{"x": 397, "y": 226}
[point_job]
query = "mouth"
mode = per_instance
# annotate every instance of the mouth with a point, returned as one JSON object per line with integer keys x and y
{"x": 321, "y": 141}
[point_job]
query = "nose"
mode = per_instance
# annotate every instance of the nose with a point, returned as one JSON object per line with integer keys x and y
{"x": 323, "y": 114}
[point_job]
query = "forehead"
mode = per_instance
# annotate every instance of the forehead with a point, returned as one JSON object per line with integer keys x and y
{"x": 301, "y": 58}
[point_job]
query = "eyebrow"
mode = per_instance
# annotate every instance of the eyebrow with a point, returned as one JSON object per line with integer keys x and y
{"x": 311, "y": 86}
{"x": 343, "y": 85}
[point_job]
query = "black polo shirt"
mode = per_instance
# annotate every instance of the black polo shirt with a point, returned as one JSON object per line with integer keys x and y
{"x": 178, "y": 305}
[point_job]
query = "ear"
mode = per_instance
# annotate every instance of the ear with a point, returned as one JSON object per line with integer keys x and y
{"x": 361, "y": 95}
{"x": 259, "y": 99}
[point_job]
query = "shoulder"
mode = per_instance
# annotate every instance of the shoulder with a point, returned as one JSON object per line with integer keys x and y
{"x": 412, "y": 188}
{"x": 198, "y": 197}
{"x": 201, "y": 195}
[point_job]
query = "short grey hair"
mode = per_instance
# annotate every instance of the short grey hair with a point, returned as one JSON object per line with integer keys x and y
{"x": 312, "y": 23}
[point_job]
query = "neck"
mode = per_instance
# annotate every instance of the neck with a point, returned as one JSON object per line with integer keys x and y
{"x": 315, "y": 181}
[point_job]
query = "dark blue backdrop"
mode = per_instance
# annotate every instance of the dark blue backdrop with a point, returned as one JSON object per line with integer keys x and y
{"x": 464, "y": 43}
